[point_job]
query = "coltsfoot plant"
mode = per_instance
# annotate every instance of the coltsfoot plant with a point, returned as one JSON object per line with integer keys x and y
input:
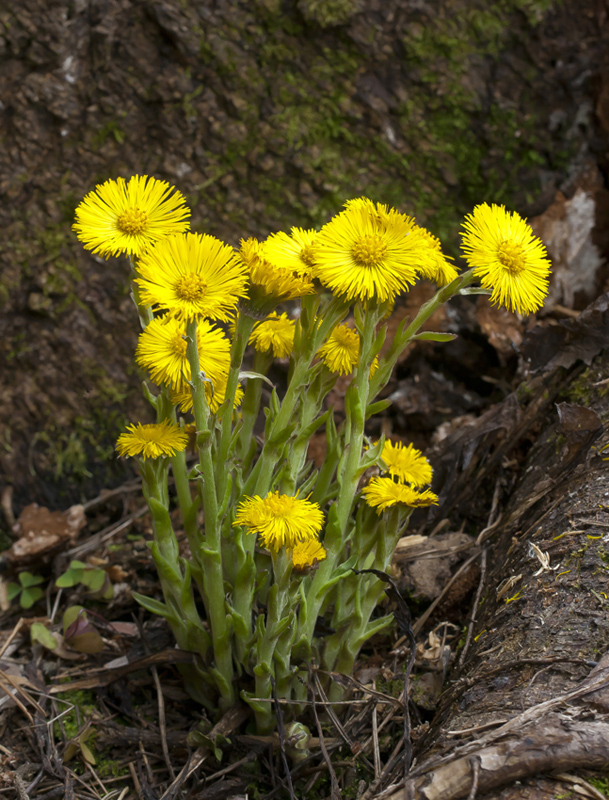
{"x": 273, "y": 540}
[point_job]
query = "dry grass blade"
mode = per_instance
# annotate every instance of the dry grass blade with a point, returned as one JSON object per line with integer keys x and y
{"x": 281, "y": 734}
{"x": 335, "y": 790}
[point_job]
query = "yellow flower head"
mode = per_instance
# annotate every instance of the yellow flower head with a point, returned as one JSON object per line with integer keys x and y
{"x": 295, "y": 252}
{"x": 275, "y": 333}
{"x": 383, "y": 493}
{"x": 307, "y": 554}
{"x": 152, "y": 441}
{"x": 162, "y": 347}
{"x": 269, "y": 284}
{"x": 128, "y": 216}
{"x": 215, "y": 392}
{"x": 281, "y": 520}
{"x": 435, "y": 264}
{"x": 406, "y": 463}
{"x": 340, "y": 352}
{"x": 368, "y": 252}
{"x": 507, "y": 257}
{"x": 192, "y": 275}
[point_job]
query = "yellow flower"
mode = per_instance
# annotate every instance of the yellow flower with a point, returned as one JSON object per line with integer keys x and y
{"x": 307, "y": 554}
{"x": 406, "y": 463}
{"x": 281, "y": 520}
{"x": 295, "y": 252}
{"x": 507, "y": 257}
{"x": 368, "y": 252}
{"x": 435, "y": 264}
{"x": 152, "y": 441}
{"x": 214, "y": 392}
{"x": 269, "y": 285}
{"x": 162, "y": 347}
{"x": 385, "y": 493}
{"x": 127, "y": 217}
{"x": 340, "y": 352}
{"x": 192, "y": 275}
{"x": 275, "y": 333}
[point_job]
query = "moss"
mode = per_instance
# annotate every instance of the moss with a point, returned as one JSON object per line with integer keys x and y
{"x": 80, "y": 707}
{"x": 602, "y": 784}
{"x": 327, "y": 13}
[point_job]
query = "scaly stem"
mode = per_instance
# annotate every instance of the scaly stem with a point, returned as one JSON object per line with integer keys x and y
{"x": 348, "y": 475}
{"x": 242, "y": 334}
{"x": 210, "y": 551}
{"x": 403, "y": 338}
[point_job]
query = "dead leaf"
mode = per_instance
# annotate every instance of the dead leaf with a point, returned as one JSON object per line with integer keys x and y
{"x": 426, "y": 567}
{"x": 561, "y": 345}
{"x": 580, "y": 426}
{"x": 41, "y": 531}
{"x": 502, "y": 327}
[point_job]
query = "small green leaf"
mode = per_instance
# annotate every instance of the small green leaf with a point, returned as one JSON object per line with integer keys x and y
{"x": 475, "y": 290}
{"x": 12, "y": 590}
{"x": 256, "y": 376}
{"x": 152, "y": 605}
{"x": 70, "y": 614}
{"x": 30, "y": 596}
{"x": 89, "y": 642}
{"x": 70, "y": 751}
{"x": 69, "y": 578}
{"x": 87, "y": 754}
{"x": 430, "y": 336}
{"x": 94, "y": 579}
{"x": 27, "y": 579}
{"x": 39, "y": 633}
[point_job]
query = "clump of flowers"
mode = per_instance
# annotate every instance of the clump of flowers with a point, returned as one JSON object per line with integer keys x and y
{"x": 281, "y": 540}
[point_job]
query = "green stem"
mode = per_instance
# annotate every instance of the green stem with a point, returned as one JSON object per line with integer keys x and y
{"x": 210, "y": 552}
{"x": 144, "y": 312}
{"x": 277, "y": 625}
{"x": 242, "y": 334}
{"x": 250, "y": 409}
{"x": 403, "y": 338}
{"x": 348, "y": 475}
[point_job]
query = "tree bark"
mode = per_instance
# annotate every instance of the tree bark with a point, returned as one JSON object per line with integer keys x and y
{"x": 522, "y": 699}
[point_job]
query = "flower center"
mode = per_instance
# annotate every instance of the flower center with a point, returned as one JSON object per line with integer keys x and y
{"x": 307, "y": 255}
{"x": 132, "y": 221}
{"x": 179, "y": 346}
{"x": 190, "y": 287}
{"x": 512, "y": 256}
{"x": 368, "y": 251}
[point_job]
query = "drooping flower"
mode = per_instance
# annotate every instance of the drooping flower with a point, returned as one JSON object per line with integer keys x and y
{"x": 129, "y": 216}
{"x": 295, "y": 252}
{"x": 340, "y": 351}
{"x": 162, "y": 349}
{"x": 369, "y": 252}
{"x": 307, "y": 554}
{"x": 507, "y": 257}
{"x": 383, "y": 493}
{"x": 192, "y": 276}
{"x": 406, "y": 463}
{"x": 436, "y": 266}
{"x": 151, "y": 441}
{"x": 281, "y": 520}
{"x": 269, "y": 284}
{"x": 215, "y": 392}
{"x": 275, "y": 334}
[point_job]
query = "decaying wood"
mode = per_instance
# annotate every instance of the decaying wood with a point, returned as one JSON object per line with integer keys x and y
{"x": 525, "y": 701}
{"x": 556, "y": 744}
